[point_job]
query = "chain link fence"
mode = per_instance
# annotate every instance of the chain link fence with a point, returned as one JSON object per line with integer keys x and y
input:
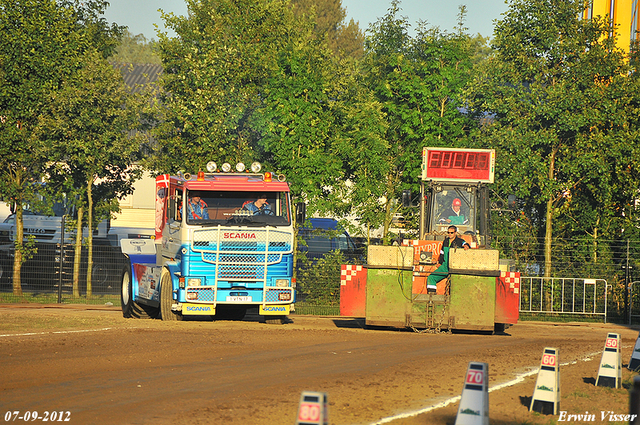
{"x": 615, "y": 262}
{"x": 48, "y": 277}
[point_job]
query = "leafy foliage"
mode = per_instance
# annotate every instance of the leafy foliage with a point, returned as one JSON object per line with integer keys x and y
{"x": 342, "y": 38}
{"x": 135, "y": 49}
{"x": 319, "y": 283}
{"x": 45, "y": 45}
{"x": 419, "y": 83}
{"x": 92, "y": 152}
{"x": 561, "y": 118}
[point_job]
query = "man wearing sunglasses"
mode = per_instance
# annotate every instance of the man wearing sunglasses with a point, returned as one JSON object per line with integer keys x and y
{"x": 451, "y": 241}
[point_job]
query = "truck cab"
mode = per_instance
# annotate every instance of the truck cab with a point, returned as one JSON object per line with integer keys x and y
{"x": 224, "y": 243}
{"x": 463, "y": 205}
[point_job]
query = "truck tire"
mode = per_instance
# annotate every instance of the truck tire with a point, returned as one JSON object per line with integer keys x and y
{"x": 166, "y": 298}
{"x": 130, "y": 308}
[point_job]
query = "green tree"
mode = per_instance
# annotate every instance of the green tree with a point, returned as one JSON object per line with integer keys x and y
{"x": 90, "y": 21}
{"x": 323, "y": 129}
{"x": 249, "y": 81}
{"x": 328, "y": 15}
{"x": 556, "y": 92}
{"x": 215, "y": 69}
{"x": 92, "y": 114}
{"x": 419, "y": 82}
{"x": 135, "y": 49}
{"x": 42, "y": 47}
{"x": 39, "y": 50}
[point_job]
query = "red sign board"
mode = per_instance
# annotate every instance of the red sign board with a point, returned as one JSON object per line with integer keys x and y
{"x": 458, "y": 165}
{"x": 549, "y": 360}
{"x": 475, "y": 377}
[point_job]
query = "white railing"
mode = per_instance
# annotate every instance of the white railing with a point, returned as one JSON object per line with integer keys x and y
{"x": 565, "y": 295}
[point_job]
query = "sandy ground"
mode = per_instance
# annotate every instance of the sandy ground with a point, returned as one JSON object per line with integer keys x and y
{"x": 104, "y": 369}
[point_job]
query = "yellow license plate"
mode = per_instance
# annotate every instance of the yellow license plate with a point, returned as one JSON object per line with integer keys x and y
{"x": 198, "y": 309}
{"x": 275, "y": 310}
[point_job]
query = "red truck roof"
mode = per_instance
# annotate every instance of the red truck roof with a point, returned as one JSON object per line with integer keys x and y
{"x": 232, "y": 182}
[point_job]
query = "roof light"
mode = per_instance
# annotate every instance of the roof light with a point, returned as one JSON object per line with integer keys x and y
{"x": 256, "y": 167}
{"x": 212, "y": 167}
{"x": 240, "y": 167}
{"x": 226, "y": 167}
{"x": 200, "y": 176}
{"x": 267, "y": 176}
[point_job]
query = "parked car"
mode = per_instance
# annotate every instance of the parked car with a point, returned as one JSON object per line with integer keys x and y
{"x": 326, "y": 235}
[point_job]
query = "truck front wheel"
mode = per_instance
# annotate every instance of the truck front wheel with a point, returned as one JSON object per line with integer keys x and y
{"x": 130, "y": 308}
{"x": 166, "y": 298}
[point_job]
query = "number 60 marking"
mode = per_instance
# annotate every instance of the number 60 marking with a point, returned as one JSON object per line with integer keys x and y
{"x": 548, "y": 360}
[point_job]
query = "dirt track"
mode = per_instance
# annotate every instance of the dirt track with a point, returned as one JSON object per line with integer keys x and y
{"x": 104, "y": 369}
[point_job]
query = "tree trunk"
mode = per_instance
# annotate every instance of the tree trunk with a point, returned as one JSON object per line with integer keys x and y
{"x": 548, "y": 235}
{"x": 77, "y": 258}
{"x": 595, "y": 242}
{"x": 90, "y": 237}
{"x": 18, "y": 249}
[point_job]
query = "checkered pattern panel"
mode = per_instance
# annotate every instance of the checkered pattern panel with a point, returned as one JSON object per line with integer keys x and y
{"x": 273, "y": 295}
{"x": 512, "y": 279}
{"x": 348, "y": 272}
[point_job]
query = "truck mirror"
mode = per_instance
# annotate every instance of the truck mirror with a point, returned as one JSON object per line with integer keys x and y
{"x": 511, "y": 202}
{"x": 406, "y": 198}
{"x": 301, "y": 212}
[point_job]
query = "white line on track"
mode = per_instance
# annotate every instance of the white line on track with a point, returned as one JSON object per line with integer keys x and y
{"x": 518, "y": 379}
{"x": 57, "y": 332}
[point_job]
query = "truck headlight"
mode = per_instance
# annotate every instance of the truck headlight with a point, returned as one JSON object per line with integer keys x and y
{"x": 194, "y": 281}
{"x": 282, "y": 283}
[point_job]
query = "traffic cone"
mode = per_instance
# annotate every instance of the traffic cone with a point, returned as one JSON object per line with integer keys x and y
{"x": 313, "y": 409}
{"x": 610, "y": 372}
{"x": 474, "y": 403}
{"x": 634, "y": 363}
{"x": 546, "y": 394}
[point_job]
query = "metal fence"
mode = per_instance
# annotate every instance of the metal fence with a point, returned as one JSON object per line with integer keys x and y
{"x": 608, "y": 287}
{"x": 48, "y": 275}
{"x": 562, "y": 295}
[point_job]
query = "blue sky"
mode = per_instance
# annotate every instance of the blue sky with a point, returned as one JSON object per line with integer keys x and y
{"x": 141, "y": 15}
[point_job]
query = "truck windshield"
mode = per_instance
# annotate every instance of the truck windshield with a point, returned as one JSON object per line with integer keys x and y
{"x": 454, "y": 206}
{"x": 237, "y": 208}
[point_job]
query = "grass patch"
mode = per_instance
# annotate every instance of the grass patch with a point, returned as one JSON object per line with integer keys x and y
{"x": 51, "y": 298}
{"x": 579, "y": 394}
{"x": 25, "y": 322}
{"x": 560, "y": 317}
{"x": 317, "y": 310}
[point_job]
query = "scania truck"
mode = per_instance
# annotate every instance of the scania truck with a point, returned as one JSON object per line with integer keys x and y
{"x": 224, "y": 244}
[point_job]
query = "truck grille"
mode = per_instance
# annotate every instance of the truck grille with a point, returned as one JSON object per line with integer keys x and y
{"x": 245, "y": 259}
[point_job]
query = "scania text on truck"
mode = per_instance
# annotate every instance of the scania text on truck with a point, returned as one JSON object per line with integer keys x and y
{"x": 224, "y": 243}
